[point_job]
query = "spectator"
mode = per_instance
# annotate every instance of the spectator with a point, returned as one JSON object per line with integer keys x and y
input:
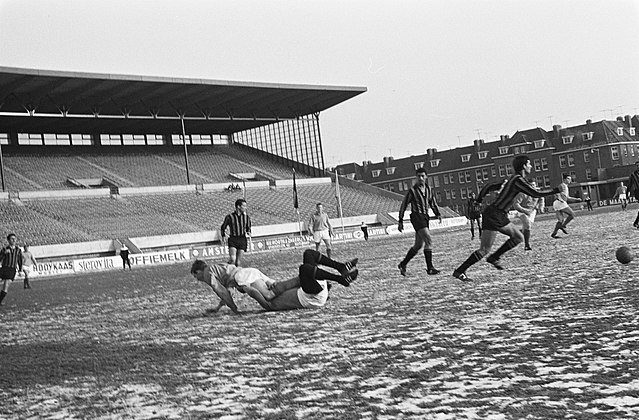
{"x": 124, "y": 254}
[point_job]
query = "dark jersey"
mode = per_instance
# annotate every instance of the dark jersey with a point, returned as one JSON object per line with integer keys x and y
{"x": 239, "y": 224}
{"x": 633, "y": 184}
{"x": 509, "y": 190}
{"x": 12, "y": 257}
{"x": 419, "y": 201}
{"x": 473, "y": 209}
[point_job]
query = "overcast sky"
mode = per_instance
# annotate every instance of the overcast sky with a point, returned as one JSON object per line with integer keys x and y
{"x": 439, "y": 73}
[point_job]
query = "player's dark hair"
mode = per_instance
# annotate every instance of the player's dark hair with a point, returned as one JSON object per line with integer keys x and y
{"x": 564, "y": 176}
{"x": 198, "y": 265}
{"x": 421, "y": 171}
{"x": 239, "y": 202}
{"x": 519, "y": 162}
{"x": 10, "y": 235}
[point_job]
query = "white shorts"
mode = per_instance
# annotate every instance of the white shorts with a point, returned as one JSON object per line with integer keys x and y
{"x": 313, "y": 301}
{"x": 622, "y": 197}
{"x": 559, "y": 205}
{"x": 27, "y": 270}
{"x": 528, "y": 219}
{"x": 247, "y": 276}
{"x": 320, "y": 235}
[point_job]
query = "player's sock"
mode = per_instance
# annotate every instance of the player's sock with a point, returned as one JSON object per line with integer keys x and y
{"x": 568, "y": 219}
{"x": 474, "y": 257}
{"x": 428, "y": 254}
{"x": 409, "y": 256}
{"x": 508, "y": 245}
{"x": 557, "y": 227}
{"x": 527, "y": 237}
{"x": 328, "y": 252}
{"x": 325, "y": 275}
{"x": 2, "y": 295}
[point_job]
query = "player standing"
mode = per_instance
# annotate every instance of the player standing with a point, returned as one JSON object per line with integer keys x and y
{"x": 320, "y": 228}
{"x": 420, "y": 198}
{"x": 473, "y": 213}
{"x": 11, "y": 264}
{"x": 239, "y": 225}
{"x": 621, "y": 195}
{"x": 495, "y": 216}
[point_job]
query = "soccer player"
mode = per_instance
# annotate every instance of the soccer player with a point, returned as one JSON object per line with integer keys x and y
{"x": 562, "y": 210}
{"x": 11, "y": 264}
{"x": 495, "y": 216}
{"x": 420, "y": 198}
{"x": 621, "y": 195}
{"x": 320, "y": 228}
{"x": 239, "y": 225}
{"x": 307, "y": 290}
{"x": 473, "y": 213}
{"x": 527, "y": 207}
{"x": 28, "y": 265}
{"x": 633, "y": 189}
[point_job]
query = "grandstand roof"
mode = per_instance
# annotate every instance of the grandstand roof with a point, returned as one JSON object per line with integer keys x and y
{"x": 49, "y": 101}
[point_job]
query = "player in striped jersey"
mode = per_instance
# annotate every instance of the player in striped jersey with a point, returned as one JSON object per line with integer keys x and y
{"x": 633, "y": 189}
{"x": 420, "y": 198}
{"x": 495, "y": 216}
{"x": 11, "y": 264}
{"x": 239, "y": 225}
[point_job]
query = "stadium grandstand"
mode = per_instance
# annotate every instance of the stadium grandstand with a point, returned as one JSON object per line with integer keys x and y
{"x": 96, "y": 157}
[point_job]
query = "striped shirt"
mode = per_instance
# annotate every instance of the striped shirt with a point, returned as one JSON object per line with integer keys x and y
{"x": 419, "y": 201}
{"x": 12, "y": 257}
{"x": 511, "y": 187}
{"x": 633, "y": 184}
{"x": 238, "y": 223}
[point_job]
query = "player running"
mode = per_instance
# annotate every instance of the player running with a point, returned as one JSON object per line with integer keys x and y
{"x": 495, "y": 216}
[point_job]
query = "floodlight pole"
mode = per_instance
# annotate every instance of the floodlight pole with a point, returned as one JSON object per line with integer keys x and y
{"x": 186, "y": 154}
{"x": 1, "y": 168}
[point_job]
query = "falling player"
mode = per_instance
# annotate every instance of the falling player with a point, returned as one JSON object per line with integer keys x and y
{"x": 495, "y": 216}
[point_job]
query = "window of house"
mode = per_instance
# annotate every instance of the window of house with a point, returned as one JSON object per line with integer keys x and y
{"x": 503, "y": 150}
{"x": 484, "y": 172}
{"x": 509, "y": 169}
{"x": 478, "y": 174}
{"x": 462, "y": 178}
{"x": 418, "y": 165}
{"x": 614, "y": 152}
{"x": 573, "y": 175}
{"x": 453, "y": 195}
{"x": 540, "y": 180}
{"x": 516, "y": 150}
{"x": 375, "y": 173}
{"x": 632, "y": 131}
{"x": 435, "y": 181}
{"x": 587, "y": 156}
{"x": 391, "y": 187}
{"x": 588, "y": 174}
{"x": 465, "y": 158}
{"x": 620, "y": 131}
{"x": 544, "y": 164}
{"x": 447, "y": 194}
{"x": 562, "y": 161}
{"x": 462, "y": 193}
{"x": 445, "y": 179}
{"x": 587, "y": 136}
{"x": 571, "y": 159}
{"x": 567, "y": 139}
{"x": 390, "y": 171}
{"x": 482, "y": 155}
{"x": 493, "y": 172}
{"x": 467, "y": 174}
{"x": 502, "y": 171}
{"x": 624, "y": 149}
{"x": 546, "y": 181}
{"x": 434, "y": 163}
{"x": 537, "y": 165}
{"x": 539, "y": 144}
{"x": 438, "y": 196}
{"x": 451, "y": 178}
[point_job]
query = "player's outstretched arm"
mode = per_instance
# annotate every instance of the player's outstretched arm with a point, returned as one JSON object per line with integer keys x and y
{"x": 225, "y": 296}
{"x": 255, "y": 294}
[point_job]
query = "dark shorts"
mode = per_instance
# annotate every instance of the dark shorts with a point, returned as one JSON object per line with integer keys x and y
{"x": 237, "y": 242}
{"x": 494, "y": 219}
{"x": 474, "y": 215}
{"x": 7, "y": 273}
{"x": 308, "y": 283}
{"x": 419, "y": 221}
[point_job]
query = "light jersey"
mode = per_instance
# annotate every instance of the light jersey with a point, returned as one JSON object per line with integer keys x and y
{"x": 27, "y": 258}
{"x": 319, "y": 222}
{"x": 563, "y": 192}
{"x": 313, "y": 301}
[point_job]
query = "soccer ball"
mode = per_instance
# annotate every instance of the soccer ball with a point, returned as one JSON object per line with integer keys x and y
{"x": 624, "y": 255}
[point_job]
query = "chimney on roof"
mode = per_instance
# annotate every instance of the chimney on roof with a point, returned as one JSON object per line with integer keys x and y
{"x": 555, "y": 130}
{"x": 388, "y": 160}
{"x": 628, "y": 120}
{"x": 588, "y": 122}
{"x": 431, "y": 153}
{"x": 478, "y": 143}
{"x": 620, "y": 118}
